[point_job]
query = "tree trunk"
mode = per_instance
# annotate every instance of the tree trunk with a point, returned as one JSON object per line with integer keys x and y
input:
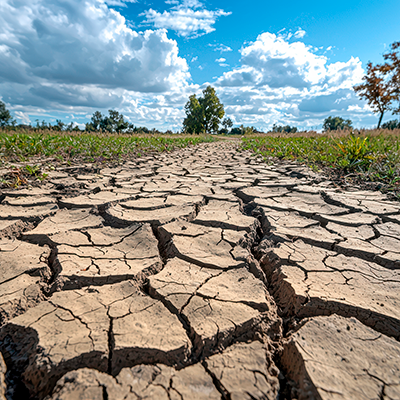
{"x": 380, "y": 120}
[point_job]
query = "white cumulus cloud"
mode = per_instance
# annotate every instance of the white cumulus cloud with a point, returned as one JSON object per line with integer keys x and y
{"x": 275, "y": 62}
{"x": 84, "y": 43}
{"x": 300, "y": 33}
{"x": 220, "y": 47}
{"x": 188, "y": 19}
{"x": 66, "y": 53}
{"x": 283, "y": 81}
{"x": 64, "y": 57}
{"x": 119, "y": 3}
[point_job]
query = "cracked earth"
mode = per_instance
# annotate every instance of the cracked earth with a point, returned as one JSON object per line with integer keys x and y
{"x": 199, "y": 274}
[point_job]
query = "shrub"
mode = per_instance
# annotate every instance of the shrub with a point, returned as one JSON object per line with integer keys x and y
{"x": 236, "y": 131}
{"x": 283, "y": 129}
{"x": 336, "y": 123}
{"x": 393, "y": 124}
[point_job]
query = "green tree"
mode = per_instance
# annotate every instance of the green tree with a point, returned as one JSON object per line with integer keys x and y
{"x": 335, "y": 123}
{"x": 194, "y": 116}
{"x": 41, "y": 125}
{"x": 243, "y": 130}
{"x": 71, "y": 127}
{"x": 284, "y": 129}
{"x": 60, "y": 126}
{"x": 114, "y": 122}
{"x": 117, "y": 121}
{"x": 393, "y": 124}
{"x": 227, "y": 123}
{"x": 5, "y": 116}
{"x": 97, "y": 119}
{"x": 203, "y": 114}
{"x": 212, "y": 108}
{"x": 236, "y": 131}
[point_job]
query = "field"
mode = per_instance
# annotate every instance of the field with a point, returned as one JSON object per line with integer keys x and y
{"x": 165, "y": 260}
{"x": 39, "y": 151}
{"x": 366, "y": 156}
{"x": 21, "y": 146}
{"x": 369, "y": 157}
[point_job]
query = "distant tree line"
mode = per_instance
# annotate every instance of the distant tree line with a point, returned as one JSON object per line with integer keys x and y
{"x": 283, "y": 129}
{"x": 393, "y": 124}
{"x": 330, "y": 124}
{"x": 336, "y": 123}
{"x": 114, "y": 122}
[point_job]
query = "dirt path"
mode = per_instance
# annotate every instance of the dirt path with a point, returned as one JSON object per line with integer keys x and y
{"x": 200, "y": 274}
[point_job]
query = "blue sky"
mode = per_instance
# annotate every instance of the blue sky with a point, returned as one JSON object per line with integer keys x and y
{"x": 292, "y": 62}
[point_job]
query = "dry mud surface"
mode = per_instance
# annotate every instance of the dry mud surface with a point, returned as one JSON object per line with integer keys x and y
{"x": 199, "y": 274}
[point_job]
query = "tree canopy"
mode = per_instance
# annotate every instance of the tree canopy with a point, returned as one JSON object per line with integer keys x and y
{"x": 284, "y": 129}
{"x": 381, "y": 86}
{"x": 114, "y": 122}
{"x": 335, "y": 123}
{"x": 227, "y": 123}
{"x": 5, "y": 116}
{"x": 377, "y": 90}
{"x": 392, "y": 124}
{"x": 203, "y": 114}
{"x": 393, "y": 67}
{"x": 193, "y": 123}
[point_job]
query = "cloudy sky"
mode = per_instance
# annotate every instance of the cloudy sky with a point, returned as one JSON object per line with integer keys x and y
{"x": 292, "y": 62}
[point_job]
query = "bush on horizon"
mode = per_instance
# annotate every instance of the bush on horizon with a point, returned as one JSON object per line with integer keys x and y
{"x": 336, "y": 123}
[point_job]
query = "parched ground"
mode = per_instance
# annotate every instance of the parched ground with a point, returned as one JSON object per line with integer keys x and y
{"x": 199, "y": 274}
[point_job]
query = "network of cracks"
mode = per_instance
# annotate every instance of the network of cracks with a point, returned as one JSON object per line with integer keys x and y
{"x": 198, "y": 274}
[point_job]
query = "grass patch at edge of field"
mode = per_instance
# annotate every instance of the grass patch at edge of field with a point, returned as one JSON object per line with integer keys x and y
{"x": 26, "y": 157}
{"x": 21, "y": 146}
{"x": 368, "y": 156}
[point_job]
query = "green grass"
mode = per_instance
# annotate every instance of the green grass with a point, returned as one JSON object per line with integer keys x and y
{"x": 22, "y": 146}
{"x": 371, "y": 157}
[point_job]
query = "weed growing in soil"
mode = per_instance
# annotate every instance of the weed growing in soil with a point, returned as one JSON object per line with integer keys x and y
{"x": 369, "y": 156}
{"x": 24, "y": 175}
